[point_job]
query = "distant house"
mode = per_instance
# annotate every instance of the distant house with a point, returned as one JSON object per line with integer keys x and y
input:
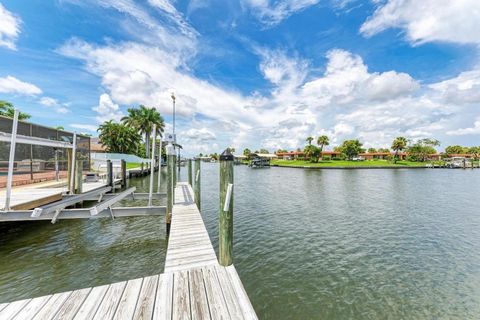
{"x": 292, "y": 155}
{"x": 295, "y": 155}
{"x": 263, "y": 155}
{"x": 96, "y": 146}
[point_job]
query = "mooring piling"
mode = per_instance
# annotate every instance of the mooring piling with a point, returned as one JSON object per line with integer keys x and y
{"x": 110, "y": 181}
{"x": 170, "y": 186}
{"x": 79, "y": 176}
{"x": 225, "y": 228}
{"x": 197, "y": 184}
{"x": 190, "y": 172}
{"x": 159, "y": 177}
{"x": 123, "y": 169}
{"x": 152, "y": 166}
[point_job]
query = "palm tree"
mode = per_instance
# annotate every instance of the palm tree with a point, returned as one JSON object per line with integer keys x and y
{"x": 309, "y": 140}
{"x": 119, "y": 138}
{"x": 399, "y": 144}
{"x": 143, "y": 120}
{"x": 322, "y": 141}
{"x": 8, "y": 110}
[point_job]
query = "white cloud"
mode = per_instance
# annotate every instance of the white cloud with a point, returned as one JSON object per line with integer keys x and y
{"x": 201, "y": 135}
{"x": 428, "y": 20}
{"x": 107, "y": 109}
{"x": 11, "y": 84}
{"x": 346, "y": 101}
{"x": 475, "y": 130}
{"x": 462, "y": 89}
{"x": 88, "y": 127}
{"x": 282, "y": 70}
{"x": 273, "y": 12}
{"x": 347, "y": 79}
{"x": 53, "y": 103}
{"x": 9, "y": 28}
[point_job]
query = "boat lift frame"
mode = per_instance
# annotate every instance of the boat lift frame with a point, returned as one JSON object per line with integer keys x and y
{"x": 57, "y": 210}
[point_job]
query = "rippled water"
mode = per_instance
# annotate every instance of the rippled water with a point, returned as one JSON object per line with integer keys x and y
{"x": 309, "y": 244}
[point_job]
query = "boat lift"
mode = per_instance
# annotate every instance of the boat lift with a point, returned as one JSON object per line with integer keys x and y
{"x": 58, "y": 210}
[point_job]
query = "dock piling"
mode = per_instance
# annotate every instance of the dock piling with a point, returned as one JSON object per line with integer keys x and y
{"x": 110, "y": 181}
{"x": 72, "y": 167}
{"x": 123, "y": 166}
{"x": 159, "y": 178}
{"x": 197, "y": 183}
{"x": 78, "y": 176}
{"x": 170, "y": 186}
{"x": 174, "y": 172}
{"x": 225, "y": 228}
{"x": 190, "y": 172}
{"x": 152, "y": 166}
{"x": 11, "y": 161}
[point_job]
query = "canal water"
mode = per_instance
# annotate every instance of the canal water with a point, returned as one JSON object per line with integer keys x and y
{"x": 309, "y": 244}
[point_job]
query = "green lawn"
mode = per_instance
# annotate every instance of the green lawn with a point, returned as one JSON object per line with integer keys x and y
{"x": 132, "y": 165}
{"x": 346, "y": 163}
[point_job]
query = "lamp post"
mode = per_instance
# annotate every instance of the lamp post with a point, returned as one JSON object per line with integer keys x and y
{"x": 173, "y": 100}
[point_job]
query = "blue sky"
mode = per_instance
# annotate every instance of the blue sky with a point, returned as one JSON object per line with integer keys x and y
{"x": 250, "y": 73}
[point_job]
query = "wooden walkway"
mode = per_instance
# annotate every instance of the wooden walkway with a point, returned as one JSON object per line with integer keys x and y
{"x": 194, "y": 285}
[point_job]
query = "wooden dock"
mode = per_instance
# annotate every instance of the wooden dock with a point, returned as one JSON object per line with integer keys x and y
{"x": 193, "y": 285}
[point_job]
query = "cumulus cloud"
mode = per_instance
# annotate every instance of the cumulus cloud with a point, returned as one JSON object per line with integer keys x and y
{"x": 55, "y": 104}
{"x": 428, "y": 20}
{"x": 462, "y": 89}
{"x": 466, "y": 131}
{"x": 11, "y": 84}
{"x": 107, "y": 109}
{"x": 9, "y": 28}
{"x": 346, "y": 101}
{"x": 347, "y": 79}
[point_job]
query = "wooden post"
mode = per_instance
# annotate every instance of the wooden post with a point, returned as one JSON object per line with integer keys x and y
{"x": 78, "y": 176}
{"x": 69, "y": 169}
{"x": 190, "y": 172}
{"x": 159, "y": 178}
{"x": 225, "y": 227}
{"x": 110, "y": 181}
{"x": 123, "y": 166}
{"x": 197, "y": 191}
{"x": 152, "y": 166}
{"x": 73, "y": 159}
{"x": 141, "y": 172}
{"x": 174, "y": 173}
{"x": 170, "y": 172}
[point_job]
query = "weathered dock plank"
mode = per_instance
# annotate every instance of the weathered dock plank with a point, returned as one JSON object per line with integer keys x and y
{"x": 194, "y": 285}
{"x": 91, "y": 303}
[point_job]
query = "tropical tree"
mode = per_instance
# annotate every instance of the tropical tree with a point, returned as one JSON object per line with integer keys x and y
{"x": 322, "y": 141}
{"x": 350, "y": 148}
{"x": 309, "y": 140}
{"x": 312, "y": 152}
{"x": 399, "y": 144}
{"x": 143, "y": 119}
{"x": 8, "y": 110}
{"x": 59, "y": 128}
{"x": 474, "y": 150}
{"x": 263, "y": 151}
{"x": 246, "y": 152}
{"x": 119, "y": 138}
{"x": 383, "y": 150}
{"x": 455, "y": 150}
{"x": 372, "y": 150}
{"x": 420, "y": 150}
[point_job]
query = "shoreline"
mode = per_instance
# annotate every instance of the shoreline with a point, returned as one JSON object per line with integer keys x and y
{"x": 352, "y": 167}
